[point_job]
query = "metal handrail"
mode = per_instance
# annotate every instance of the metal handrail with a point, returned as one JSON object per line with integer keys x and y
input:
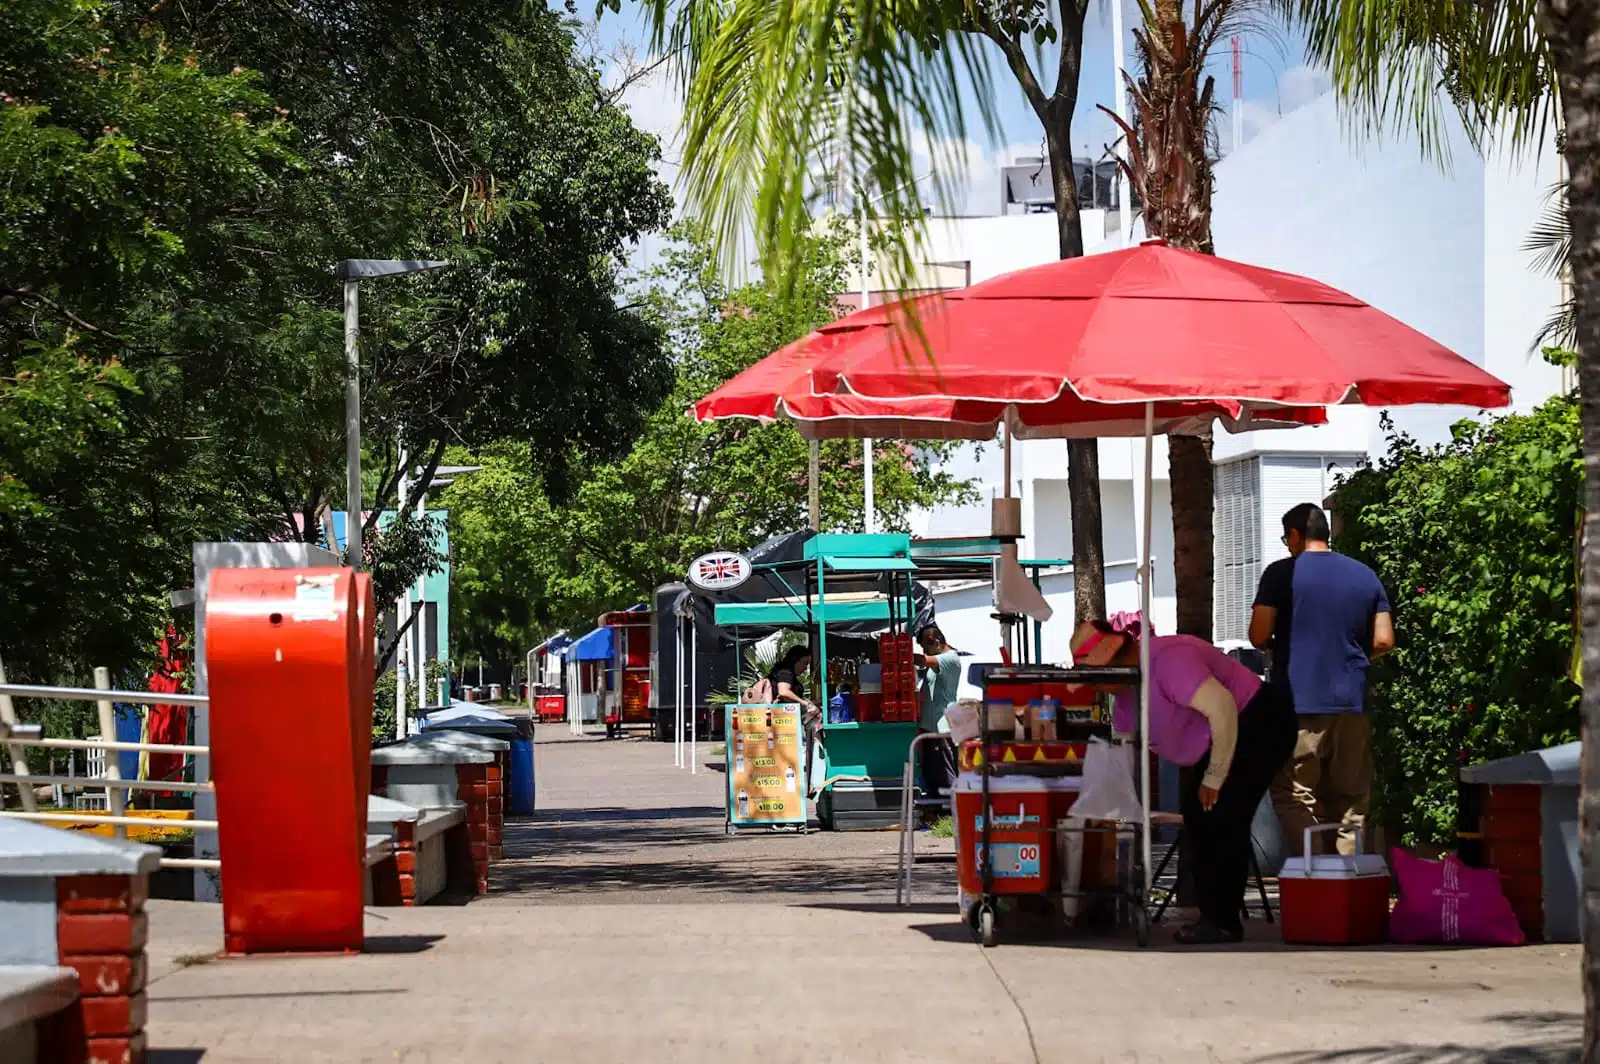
{"x": 103, "y": 781}
{"x": 112, "y": 744}
{"x": 103, "y": 818}
{"x": 95, "y": 694}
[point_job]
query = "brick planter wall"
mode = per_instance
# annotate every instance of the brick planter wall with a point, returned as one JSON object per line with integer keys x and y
{"x": 1511, "y": 828}
{"x": 481, "y": 788}
{"x": 101, "y": 931}
{"x": 394, "y": 879}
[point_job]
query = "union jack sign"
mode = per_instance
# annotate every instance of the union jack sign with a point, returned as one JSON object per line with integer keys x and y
{"x": 719, "y": 571}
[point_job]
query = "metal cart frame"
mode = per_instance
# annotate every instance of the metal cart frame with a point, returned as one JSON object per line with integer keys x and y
{"x": 1136, "y": 894}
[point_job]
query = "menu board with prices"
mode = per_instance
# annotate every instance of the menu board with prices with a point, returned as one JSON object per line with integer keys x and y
{"x": 766, "y": 765}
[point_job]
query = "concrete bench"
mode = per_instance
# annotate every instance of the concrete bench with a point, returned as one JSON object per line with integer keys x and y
{"x": 417, "y": 867}
{"x": 72, "y": 908}
{"x": 430, "y": 773}
{"x": 31, "y": 999}
{"x": 499, "y": 775}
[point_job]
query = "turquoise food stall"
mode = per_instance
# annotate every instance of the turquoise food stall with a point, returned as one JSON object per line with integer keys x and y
{"x": 857, "y": 766}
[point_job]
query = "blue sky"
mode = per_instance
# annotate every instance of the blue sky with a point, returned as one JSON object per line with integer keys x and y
{"x": 1276, "y": 80}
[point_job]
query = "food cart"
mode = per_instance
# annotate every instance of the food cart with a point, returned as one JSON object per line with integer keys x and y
{"x": 628, "y": 697}
{"x": 855, "y": 766}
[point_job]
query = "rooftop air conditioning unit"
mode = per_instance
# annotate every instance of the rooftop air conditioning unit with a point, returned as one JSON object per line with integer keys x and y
{"x": 1027, "y": 182}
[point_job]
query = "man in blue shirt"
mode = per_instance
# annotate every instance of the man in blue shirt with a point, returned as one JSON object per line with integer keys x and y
{"x": 1325, "y": 618}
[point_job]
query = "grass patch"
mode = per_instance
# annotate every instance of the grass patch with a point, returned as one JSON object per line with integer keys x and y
{"x": 719, "y": 751}
{"x": 193, "y": 960}
{"x": 943, "y": 828}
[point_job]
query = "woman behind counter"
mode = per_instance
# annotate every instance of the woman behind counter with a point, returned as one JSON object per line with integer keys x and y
{"x": 1208, "y": 711}
{"x": 785, "y": 680}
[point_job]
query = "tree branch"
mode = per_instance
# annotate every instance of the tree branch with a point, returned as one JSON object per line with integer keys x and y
{"x": 394, "y": 643}
{"x": 1016, "y": 59}
{"x": 27, "y": 294}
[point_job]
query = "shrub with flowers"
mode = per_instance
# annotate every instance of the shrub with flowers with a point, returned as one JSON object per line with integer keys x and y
{"x": 1475, "y": 541}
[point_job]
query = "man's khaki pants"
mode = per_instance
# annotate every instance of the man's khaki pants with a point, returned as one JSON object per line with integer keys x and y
{"x": 1328, "y": 780}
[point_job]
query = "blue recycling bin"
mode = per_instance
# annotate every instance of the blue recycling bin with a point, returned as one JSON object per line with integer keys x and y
{"x": 520, "y": 785}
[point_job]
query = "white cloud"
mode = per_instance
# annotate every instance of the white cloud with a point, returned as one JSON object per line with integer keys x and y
{"x": 1300, "y": 85}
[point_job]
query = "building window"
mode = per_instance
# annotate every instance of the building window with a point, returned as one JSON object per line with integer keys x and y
{"x": 1236, "y": 547}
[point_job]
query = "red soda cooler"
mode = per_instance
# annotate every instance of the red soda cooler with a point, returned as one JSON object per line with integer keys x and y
{"x": 1021, "y": 835}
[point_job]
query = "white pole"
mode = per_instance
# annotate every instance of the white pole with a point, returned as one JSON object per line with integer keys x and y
{"x": 402, "y": 608}
{"x": 116, "y": 797}
{"x": 19, "y": 763}
{"x": 1144, "y": 648}
{"x": 1124, "y": 194}
{"x": 694, "y": 688}
{"x": 419, "y": 609}
{"x": 352, "y": 424}
{"x": 869, "y": 517}
{"x": 1006, "y": 455}
{"x": 677, "y": 697}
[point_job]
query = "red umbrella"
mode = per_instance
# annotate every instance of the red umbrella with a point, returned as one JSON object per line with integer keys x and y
{"x": 1156, "y": 323}
{"x": 781, "y": 386}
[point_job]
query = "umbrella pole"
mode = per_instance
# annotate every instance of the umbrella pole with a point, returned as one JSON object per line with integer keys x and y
{"x": 1144, "y": 649}
{"x": 1007, "y": 631}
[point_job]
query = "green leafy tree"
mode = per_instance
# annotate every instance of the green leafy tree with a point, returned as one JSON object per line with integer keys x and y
{"x": 123, "y": 164}
{"x": 1473, "y": 540}
{"x": 525, "y": 564}
{"x": 176, "y": 182}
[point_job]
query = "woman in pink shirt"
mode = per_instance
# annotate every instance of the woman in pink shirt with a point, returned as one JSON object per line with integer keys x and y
{"x": 1208, "y": 711}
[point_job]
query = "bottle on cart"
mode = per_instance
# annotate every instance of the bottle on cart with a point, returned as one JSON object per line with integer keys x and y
{"x": 743, "y": 804}
{"x": 788, "y": 779}
{"x": 738, "y": 764}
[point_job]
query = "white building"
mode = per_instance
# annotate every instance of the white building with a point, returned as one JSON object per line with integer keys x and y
{"x": 1441, "y": 251}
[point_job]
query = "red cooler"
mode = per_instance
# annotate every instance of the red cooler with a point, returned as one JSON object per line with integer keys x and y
{"x": 1021, "y": 835}
{"x": 1334, "y": 900}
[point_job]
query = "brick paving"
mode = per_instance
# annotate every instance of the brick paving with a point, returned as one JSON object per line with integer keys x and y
{"x": 624, "y": 926}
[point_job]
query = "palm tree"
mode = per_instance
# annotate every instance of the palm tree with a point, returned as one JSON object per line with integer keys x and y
{"x": 772, "y": 90}
{"x": 1514, "y": 69}
{"x": 1169, "y": 164}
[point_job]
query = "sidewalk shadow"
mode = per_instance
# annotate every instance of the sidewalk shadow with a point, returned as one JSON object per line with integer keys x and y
{"x": 174, "y": 1056}
{"x": 1538, "y": 1038}
{"x": 400, "y": 944}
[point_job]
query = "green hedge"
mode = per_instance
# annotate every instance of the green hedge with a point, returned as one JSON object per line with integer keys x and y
{"x": 1474, "y": 540}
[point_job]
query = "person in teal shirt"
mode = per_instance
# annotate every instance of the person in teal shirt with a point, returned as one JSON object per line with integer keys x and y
{"x": 939, "y": 687}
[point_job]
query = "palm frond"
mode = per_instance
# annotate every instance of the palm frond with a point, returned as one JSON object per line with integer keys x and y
{"x": 1550, "y": 241}
{"x": 771, "y": 87}
{"x": 1390, "y": 59}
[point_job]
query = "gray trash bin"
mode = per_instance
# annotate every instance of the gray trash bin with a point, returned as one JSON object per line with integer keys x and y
{"x": 1519, "y": 816}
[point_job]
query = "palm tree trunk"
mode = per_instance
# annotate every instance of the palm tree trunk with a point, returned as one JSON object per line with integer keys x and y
{"x": 1083, "y": 456}
{"x": 1573, "y": 29}
{"x": 1193, "y": 568}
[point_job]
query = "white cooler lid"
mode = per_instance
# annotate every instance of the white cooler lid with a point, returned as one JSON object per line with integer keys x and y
{"x": 1335, "y": 866}
{"x": 971, "y": 781}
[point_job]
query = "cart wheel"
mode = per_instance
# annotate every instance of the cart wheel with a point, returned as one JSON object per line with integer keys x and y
{"x": 986, "y": 932}
{"x": 1141, "y": 925}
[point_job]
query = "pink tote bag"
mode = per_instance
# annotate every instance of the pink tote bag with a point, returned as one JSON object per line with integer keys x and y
{"x": 1446, "y": 902}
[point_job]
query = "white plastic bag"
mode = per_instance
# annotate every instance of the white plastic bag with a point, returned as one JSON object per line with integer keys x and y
{"x": 1108, "y": 792}
{"x": 961, "y": 720}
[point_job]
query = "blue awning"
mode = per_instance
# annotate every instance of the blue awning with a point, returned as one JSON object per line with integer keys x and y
{"x": 596, "y": 646}
{"x": 555, "y": 644}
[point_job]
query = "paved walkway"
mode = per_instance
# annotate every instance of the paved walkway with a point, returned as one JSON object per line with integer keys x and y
{"x": 624, "y": 927}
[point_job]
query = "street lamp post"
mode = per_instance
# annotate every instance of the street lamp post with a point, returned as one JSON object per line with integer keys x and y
{"x": 351, "y": 272}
